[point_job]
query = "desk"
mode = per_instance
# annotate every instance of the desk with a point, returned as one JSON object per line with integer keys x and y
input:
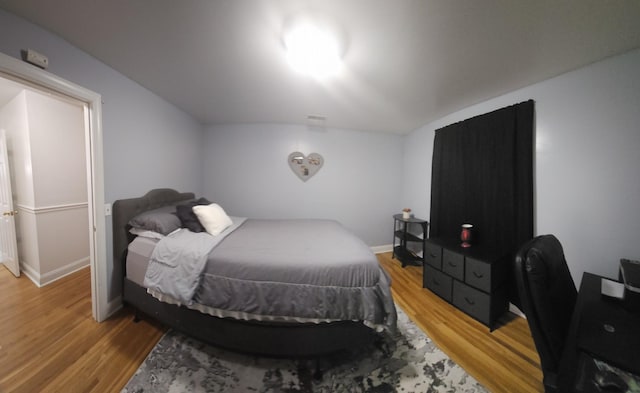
{"x": 593, "y": 320}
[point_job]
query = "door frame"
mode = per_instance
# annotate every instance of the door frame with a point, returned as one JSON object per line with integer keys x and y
{"x": 30, "y": 75}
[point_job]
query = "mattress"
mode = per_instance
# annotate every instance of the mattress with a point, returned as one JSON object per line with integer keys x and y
{"x": 138, "y": 254}
{"x": 309, "y": 252}
{"x": 286, "y": 270}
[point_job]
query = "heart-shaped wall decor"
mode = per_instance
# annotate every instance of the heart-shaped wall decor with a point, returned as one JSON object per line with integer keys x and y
{"x": 305, "y": 167}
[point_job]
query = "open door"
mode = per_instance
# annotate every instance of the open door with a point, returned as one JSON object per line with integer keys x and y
{"x": 8, "y": 244}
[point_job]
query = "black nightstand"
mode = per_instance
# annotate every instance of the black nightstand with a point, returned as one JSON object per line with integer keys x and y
{"x": 402, "y": 236}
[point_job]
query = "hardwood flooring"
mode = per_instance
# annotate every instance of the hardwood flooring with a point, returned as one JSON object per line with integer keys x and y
{"x": 50, "y": 343}
{"x": 504, "y": 360}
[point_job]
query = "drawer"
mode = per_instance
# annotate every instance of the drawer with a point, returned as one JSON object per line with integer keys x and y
{"x": 478, "y": 274}
{"x": 453, "y": 264}
{"x": 433, "y": 255}
{"x": 438, "y": 282}
{"x": 472, "y": 301}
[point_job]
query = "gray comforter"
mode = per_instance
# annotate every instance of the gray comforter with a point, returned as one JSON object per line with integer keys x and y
{"x": 294, "y": 269}
{"x": 177, "y": 261}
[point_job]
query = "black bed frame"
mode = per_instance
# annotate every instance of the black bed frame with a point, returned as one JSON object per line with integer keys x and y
{"x": 306, "y": 340}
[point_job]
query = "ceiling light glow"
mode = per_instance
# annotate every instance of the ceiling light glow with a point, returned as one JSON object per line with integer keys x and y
{"x": 313, "y": 51}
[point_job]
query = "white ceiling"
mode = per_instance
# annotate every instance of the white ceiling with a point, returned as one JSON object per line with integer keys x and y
{"x": 406, "y": 62}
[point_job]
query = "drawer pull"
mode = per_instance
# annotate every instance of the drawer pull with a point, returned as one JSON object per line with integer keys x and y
{"x": 470, "y": 301}
{"x": 432, "y": 255}
{"x": 451, "y": 264}
{"x": 478, "y": 275}
{"x": 436, "y": 282}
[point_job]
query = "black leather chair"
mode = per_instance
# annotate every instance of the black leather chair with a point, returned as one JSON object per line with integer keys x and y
{"x": 547, "y": 297}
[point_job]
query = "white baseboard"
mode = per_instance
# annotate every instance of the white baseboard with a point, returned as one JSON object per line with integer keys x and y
{"x": 43, "y": 279}
{"x": 31, "y": 274}
{"x": 381, "y": 249}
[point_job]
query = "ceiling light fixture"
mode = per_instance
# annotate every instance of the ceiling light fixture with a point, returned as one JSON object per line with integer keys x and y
{"x": 312, "y": 50}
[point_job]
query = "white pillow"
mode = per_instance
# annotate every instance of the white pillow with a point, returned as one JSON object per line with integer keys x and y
{"x": 213, "y": 218}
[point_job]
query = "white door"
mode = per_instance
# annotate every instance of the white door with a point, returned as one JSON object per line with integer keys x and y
{"x": 8, "y": 244}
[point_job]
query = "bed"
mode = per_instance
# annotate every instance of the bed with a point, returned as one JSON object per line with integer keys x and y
{"x": 269, "y": 287}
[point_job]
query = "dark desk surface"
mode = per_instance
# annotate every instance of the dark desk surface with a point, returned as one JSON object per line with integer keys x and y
{"x": 602, "y": 328}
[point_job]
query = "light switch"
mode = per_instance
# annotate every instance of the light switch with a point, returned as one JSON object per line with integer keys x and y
{"x": 107, "y": 209}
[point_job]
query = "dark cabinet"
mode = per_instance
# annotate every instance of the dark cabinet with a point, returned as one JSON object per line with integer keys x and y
{"x": 473, "y": 279}
{"x": 403, "y": 236}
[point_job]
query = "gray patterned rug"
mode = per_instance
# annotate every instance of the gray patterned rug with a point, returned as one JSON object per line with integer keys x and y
{"x": 405, "y": 362}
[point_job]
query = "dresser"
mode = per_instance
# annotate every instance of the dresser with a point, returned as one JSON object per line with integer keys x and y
{"x": 473, "y": 279}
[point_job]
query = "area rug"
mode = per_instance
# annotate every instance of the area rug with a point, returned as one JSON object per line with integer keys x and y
{"x": 407, "y": 361}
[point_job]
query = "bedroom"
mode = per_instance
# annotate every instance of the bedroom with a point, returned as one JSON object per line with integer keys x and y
{"x": 586, "y": 166}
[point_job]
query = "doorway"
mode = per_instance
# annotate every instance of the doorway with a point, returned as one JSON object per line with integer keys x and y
{"x": 47, "y": 212}
{"x": 35, "y": 78}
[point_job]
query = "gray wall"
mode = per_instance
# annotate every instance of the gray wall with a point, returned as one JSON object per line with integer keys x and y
{"x": 246, "y": 171}
{"x": 148, "y": 143}
{"x": 587, "y": 161}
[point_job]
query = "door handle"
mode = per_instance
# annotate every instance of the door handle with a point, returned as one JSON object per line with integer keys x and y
{"x": 11, "y": 213}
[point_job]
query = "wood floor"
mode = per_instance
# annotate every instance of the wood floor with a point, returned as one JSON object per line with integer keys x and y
{"x": 50, "y": 343}
{"x": 504, "y": 360}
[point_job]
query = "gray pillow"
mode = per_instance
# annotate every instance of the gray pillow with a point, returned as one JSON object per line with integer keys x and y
{"x": 162, "y": 220}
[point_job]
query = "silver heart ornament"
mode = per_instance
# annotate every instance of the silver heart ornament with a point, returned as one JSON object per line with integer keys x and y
{"x": 305, "y": 167}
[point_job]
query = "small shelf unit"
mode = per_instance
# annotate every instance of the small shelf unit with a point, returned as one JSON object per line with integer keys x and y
{"x": 402, "y": 237}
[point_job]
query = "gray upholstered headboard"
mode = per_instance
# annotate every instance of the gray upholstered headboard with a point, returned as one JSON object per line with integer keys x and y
{"x": 125, "y": 209}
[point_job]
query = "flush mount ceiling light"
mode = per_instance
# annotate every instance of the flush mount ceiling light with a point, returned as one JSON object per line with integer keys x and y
{"x": 313, "y": 50}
